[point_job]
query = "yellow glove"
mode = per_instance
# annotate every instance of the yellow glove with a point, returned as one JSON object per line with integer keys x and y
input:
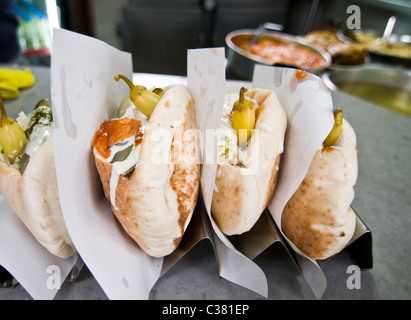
{"x": 8, "y": 90}
{"x": 12, "y": 80}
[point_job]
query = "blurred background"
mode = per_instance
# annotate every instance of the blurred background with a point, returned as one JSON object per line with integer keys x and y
{"x": 327, "y": 38}
{"x": 158, "y": 32}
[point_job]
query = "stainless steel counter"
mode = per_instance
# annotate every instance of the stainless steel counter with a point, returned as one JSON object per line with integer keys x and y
{"x": 383, "y": 201}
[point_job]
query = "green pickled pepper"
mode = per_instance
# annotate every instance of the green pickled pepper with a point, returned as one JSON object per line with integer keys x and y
{"x": 13, "y": 140}
{"x": 243, "y": 118}
{"x": 145, "y": 100}
{"x": 335, "y": 132}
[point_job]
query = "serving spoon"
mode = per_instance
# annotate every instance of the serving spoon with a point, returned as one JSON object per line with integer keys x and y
{"x": 260, "y": 30}
{"x": 388, "y": 30}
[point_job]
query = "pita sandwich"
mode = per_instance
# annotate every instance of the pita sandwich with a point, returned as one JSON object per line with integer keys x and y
{"x": 30, "y": 185}
{"x": 246, "y": 178}
{"x": 318, "y": 218}
{"x": 154, "y": 189}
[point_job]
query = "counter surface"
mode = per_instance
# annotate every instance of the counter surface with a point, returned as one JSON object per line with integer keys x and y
{"x": 382, "y": 200}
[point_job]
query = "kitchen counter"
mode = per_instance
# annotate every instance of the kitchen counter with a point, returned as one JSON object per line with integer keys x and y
{"x": 382, "y": 200}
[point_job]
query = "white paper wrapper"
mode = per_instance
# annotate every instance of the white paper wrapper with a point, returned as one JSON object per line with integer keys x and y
{"x": 206, "y": 82}
{"x": 309, "y": 107}
{"x": 33, "y": 266}
{"x": 84, "y": 93}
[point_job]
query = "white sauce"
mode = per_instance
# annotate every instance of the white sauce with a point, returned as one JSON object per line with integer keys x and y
{"x": 121, "y": 167}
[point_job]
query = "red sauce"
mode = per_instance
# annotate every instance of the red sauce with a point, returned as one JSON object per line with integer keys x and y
{"x": 300, "y": 75}
{"x": 288, "y": 54}
{"x": 113, "y": 131}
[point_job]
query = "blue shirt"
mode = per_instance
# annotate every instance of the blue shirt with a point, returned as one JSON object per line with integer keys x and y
{"x": 9, "y": 44}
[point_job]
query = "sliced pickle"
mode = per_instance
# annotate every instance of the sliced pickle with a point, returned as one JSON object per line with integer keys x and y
{"x": 122, "y": 155}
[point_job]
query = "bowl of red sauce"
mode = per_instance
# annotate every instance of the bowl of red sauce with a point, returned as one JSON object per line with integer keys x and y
{"x": 275, "y": 49}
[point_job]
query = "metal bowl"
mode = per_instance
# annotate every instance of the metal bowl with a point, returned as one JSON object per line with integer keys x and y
{"x": 382, "y": 85}
{"x": 241, "y": 62}
{"x": 386, "y": 56}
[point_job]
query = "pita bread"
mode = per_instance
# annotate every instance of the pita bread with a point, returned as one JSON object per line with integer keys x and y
{"x": 34, "y": 197}
{"x": 242, "y": 194}
{"x": 318, "y": 218}
{"x": 155, "y": 203}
